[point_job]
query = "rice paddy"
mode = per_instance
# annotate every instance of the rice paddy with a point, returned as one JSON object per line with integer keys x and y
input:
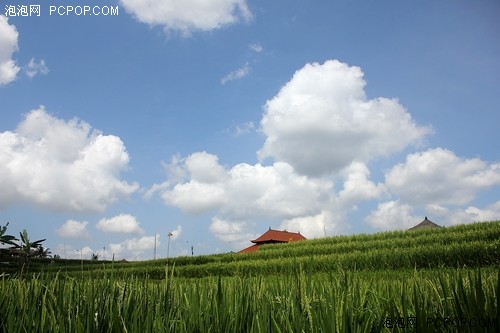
{"x": 440, "y": 281}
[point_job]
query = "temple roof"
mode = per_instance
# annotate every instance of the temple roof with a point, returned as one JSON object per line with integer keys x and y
{"x": 426, "y": 223}
{"x": 273, "y": 236}
{"x": 278, "y": 236}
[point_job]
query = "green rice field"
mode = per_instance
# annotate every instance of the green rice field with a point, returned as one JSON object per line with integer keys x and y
{"x": 436, "y": 280}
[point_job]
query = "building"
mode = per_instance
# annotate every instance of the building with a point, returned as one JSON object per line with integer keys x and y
{"x": 272, "y": 237}
{"x": 426, "y": 223}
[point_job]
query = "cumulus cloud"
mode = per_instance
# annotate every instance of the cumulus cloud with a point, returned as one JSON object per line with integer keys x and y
{"x": 439, "y": 177}
{"x": 176, "y": 233}
{"x": 321, "y": 121}
{"x": 8, "y": 45}
{"x": 73, "y": 229}
{"x": 475, "y": 214}
{"x": 439, "y": 183}
{"x": 321, "y": 133}
{"x": 123, "y": 223}
{"x": 236, "y": 74}
{"x": 70, "y": 252}
{"x": 244, "y": 193}
{"x": 232, "y": 232}
{"x": 392, "y": 215}
{"x": 319, "y": 127}
{"x": 61, "y": 165}
{"x": 187, "y": 16}
{"x": 245, "y": 190}
{"x": 134, "y": 248}
{"x": 357, "y": 186}
{"x": 313, "y": 226}
{"x": 195, "y": 197}
{"x": 34, "y": 68}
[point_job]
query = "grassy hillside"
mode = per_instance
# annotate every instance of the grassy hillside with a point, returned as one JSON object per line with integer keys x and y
{"x": 361, "y": 283}
{"x": 469, "y": 245}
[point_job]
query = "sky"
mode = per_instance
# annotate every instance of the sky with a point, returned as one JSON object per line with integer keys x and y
{"x": 122, "y": 121}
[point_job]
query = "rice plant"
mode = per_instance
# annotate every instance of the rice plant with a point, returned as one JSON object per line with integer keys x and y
{"x": 436, "y": 300}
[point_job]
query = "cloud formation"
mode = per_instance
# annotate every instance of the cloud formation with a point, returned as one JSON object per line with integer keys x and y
{"x": 8, "y": 45}
{"x": 61, "y": 165}
{"x": 439, "y": 183}
{"x": 123, "y": 223}
{"x": 134, "y": 248}
{"x": 236, "y": 74}
{"x": 321, "y": 121}
{"x": 321, "y": 134}
{"x": 232, "y": 232}
{"x": 73, "y": 229}
{"x": 187, "y": 16}
{"x": 244, "y": 190}
{"x": 36, "y": 68}
{"x": 243, "y": 194}
{"x": 437, "y": 176}
{"x": 392, "y": 215}
{"x": 176, "y": 233}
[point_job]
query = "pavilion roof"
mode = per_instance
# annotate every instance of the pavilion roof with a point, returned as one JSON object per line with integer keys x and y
{"x": 426, "y": 223}
{"x": 278, "y": 236}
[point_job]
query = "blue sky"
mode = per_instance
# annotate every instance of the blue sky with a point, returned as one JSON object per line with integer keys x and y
{"x": 217, "y": 120}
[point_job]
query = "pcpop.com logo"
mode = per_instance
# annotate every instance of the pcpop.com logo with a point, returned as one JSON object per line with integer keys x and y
{"x": 461, "y": 322}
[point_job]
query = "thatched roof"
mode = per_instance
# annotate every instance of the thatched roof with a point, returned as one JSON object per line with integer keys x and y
{"x": 426, "y": 223}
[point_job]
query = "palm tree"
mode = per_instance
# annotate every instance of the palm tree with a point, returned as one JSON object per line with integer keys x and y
{"x": 6, "y": 239}
{"x": 26, "y": 245}
{"x": 42, "y": 252}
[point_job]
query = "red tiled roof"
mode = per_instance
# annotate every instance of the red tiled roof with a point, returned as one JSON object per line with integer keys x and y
{"x": 249, "y": 249}
{"x": 273, "y": 236}
{"x": 279, "y": 236}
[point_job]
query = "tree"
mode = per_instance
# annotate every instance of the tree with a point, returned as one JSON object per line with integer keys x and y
{"x": 26, "y": 245}
{"x": 42, "y": 252}
{"x": 95, "y": 256}
{"x": 6, "y": 239}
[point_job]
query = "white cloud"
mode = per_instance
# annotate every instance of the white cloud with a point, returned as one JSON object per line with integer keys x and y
{"x": 313, "y": 226}
{"x": 8, "y": 45}
{"x": 33, "y": 68}
{"x": 236, "y": 74}
{"x": 176, "y": 233}
{"x": 135, "y": 248}
{"x": 245, "y": 193}
{"x": 257, "y": 48}
{"x": 195, "y": 197}
{"x": 357, "y": 186}
{"x": 73, "y": 229}
{"x": 246, "y": 190}
{"x": 321, "y": 129}
{"x": 474, "y": 214}
{"x": 187, "y": 16}
{"x": 321, "y": 121}
{"x": 392, "y": 215}
{"x": 233, "y": 232}
{"x": 204, "y": 167}
{"x": 244, "y": 128}
{"x": 439, "y": 177}
{"x": 61, "y": 165}
{"x": 123, "y": 223}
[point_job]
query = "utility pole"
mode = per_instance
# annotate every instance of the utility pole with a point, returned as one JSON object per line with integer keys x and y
{"x": 168, "y": 245}
{"x": 154, "y": 256}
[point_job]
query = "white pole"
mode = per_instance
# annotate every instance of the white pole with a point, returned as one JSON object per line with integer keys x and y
{"x": 154, "y": 258}
{"x": 168, "y": 245}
